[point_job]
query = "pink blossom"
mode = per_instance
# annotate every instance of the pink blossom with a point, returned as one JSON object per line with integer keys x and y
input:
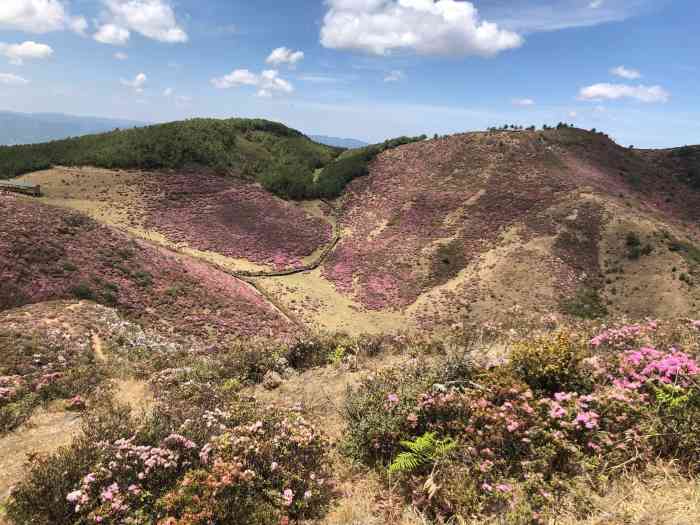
{"x": 557, "y": 411}
{"x": 74, "y": 496}
{"x": 587, "y": 419}
{"x": 288, "y": 497}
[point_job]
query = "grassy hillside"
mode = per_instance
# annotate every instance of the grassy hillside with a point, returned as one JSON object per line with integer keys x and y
{"x": 479, "y": 223}
{"x": 284, "y": 160}
{"x": 48, "y": 254}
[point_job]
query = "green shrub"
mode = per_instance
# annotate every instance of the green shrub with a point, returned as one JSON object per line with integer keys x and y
{"x": 69, "y": 267}
{"x": 551, "y": 363}
{"x": 83, "y": 291}
{"x": 586, "y": 304}
{"x": 424, "y": 452}
{"x": 379, "y": 413}
{"x": 143, "y": 279}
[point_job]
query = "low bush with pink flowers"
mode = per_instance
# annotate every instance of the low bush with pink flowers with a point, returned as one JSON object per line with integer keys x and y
{"x": 237, "y": 463}
{"x": 565, "y": 408}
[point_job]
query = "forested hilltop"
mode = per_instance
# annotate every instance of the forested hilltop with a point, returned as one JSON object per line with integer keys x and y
{"x": 284, "y": 160}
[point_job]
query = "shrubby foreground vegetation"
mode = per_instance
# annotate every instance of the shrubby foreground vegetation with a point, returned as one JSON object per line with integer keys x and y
{"x": 284, "y": 160}
{"x": 462, "y": 436}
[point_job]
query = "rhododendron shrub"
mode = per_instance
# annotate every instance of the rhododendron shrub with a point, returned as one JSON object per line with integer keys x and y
{"x": 235, "y": 464}
{"x": 522, "y": 441}
{"x": 266, "y": 472}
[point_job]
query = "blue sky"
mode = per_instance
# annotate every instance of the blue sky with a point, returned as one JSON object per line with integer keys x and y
{"x": 370, "y": 69}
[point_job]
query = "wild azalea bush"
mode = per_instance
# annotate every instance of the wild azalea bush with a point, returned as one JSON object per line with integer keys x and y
{"x": 237, "y": 463}
{"x": 525, "y": 434}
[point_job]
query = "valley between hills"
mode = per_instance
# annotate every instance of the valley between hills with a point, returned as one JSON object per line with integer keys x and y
{"x": 464, "y": 329}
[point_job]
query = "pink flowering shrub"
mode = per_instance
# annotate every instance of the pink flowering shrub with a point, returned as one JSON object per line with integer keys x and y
{"x": 621, "y": 338}
{"x": 175, "y": 466}
{"x": 266, "y": 472}
{"x": 521, "y": 441}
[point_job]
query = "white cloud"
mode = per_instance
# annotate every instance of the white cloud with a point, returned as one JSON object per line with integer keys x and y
{"x": 121, "y": 56}
{"x": 427, "y": 27}
{"x": 553, "y": 15}
{"x": 151, "y": 18}
{"x": 642, "y": 93}
{"x": 573, "y": 114}
{"x": 622, "y": 71}
{"x": 319, "y": 79}
{"x": 112, "y": 34}
{"x": 268, "y": 82}
{"x": 168, "y": 92}
{"x": 523, "y": 102}
{"x": 282, "y": 55}
{"x": 78, "y": 24}
{"x": 12, "y": 80}
{"x": 238, "y": 77}
{"x": 18, "y": 53}
{"x": 137, "y": 83}
{"x": 39, "y": 16}
{"x": 395, "y": 76}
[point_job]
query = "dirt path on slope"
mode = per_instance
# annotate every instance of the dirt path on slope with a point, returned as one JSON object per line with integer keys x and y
{"x": 53, "y": 427}
{"x": 47, "y": 430}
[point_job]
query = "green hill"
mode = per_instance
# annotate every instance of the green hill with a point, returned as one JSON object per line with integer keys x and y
{"x": 284, "y": 160}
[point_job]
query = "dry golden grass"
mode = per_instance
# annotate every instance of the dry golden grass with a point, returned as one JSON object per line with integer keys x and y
{"x": 659, "y": 497}
{"x": 314, "y": 299}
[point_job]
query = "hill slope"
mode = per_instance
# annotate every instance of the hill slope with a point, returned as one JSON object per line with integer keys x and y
{"x": 433, "y": 232}
{"x": 47, "y": 254}
{"x": 478, "y": 223}
{"x": 283, "y": 160}
{"x": 244, "y": 147}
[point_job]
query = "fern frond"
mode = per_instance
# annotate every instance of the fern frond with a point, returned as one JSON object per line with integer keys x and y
{"x": 406, "y": 462}
{"x": 426, "y": 449}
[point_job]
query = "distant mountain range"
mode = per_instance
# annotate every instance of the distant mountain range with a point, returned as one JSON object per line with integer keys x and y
{"x": 338, "y": 142}
{"x": 32, "y": 128}
{"x": 35, "y": 128}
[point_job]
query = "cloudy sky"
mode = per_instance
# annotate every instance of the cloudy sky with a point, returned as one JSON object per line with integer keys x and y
{"x": 367, "y": 69}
